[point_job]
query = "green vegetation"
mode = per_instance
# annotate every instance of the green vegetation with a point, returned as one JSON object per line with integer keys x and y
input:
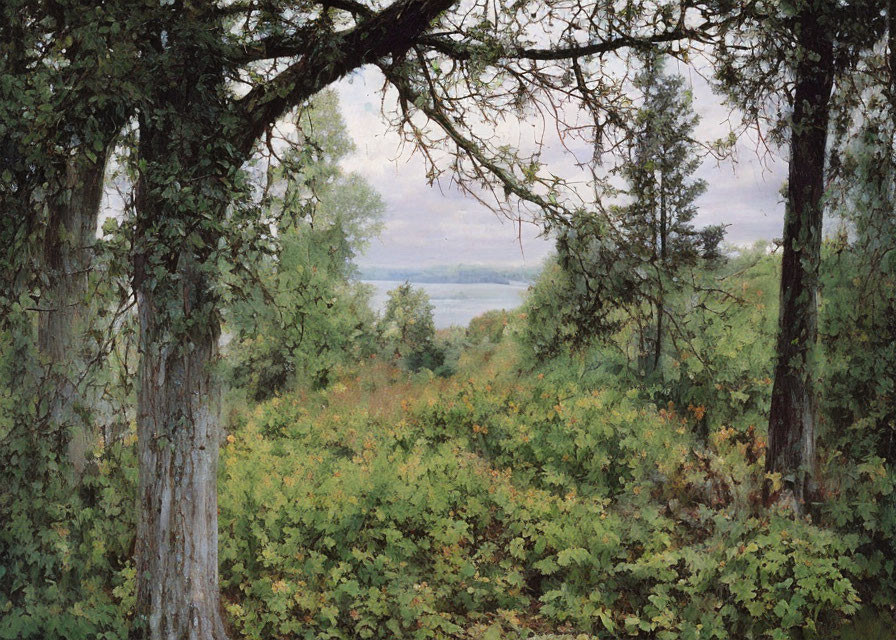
{"x": 527, "y": 495}
{"x": 668, "y": 441}
{"x": 518, "y": 496}
{"x": 303, "y": 313}
{"x": 408, "y": 330}
{"x": 625, "y": 272}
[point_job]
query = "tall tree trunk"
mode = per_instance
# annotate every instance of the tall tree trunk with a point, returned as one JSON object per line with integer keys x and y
{"x": 194, "y": 137}
{"x": 791, "y": 431}
{"x": 181, "y": 204}
{"x": 178, "y": 437}
{"x": 891, "y": 54}
{"x": 68, "y": 247}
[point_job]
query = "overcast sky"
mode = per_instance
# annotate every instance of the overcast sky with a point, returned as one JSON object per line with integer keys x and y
{"x": 426, "y": 226}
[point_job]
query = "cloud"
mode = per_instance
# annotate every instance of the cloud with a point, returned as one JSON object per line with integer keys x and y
{"x": 429, "y": 225}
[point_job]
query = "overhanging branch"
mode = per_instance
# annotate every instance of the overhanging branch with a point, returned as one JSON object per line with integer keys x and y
{"x": 462, "y": 51}
{"x": 389, "y": 33}
{"x": 507, "y": 180}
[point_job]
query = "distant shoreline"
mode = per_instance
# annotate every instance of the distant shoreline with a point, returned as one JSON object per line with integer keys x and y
{"x": 459, "y": 274}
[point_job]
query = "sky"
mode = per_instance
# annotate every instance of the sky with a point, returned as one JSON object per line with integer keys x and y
{"x": 427, "y": 225}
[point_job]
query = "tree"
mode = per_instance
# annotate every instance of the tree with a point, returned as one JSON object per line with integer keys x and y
{"x": 663, "y": 191}
{"x": 407, "y": 328}
{"x": 62, "y": 103}
{"x": 547, "y": 329}
{"x": 792, "y": 418}
{"x": 194, "y": 138}
{"x": 207, "y": 82}
{"x": 60, "y": 122}
{"x": 626, "y": 271}
{"x": 784, "y": 72}
{"x": 306, "y": 313}
{"x": 857, "y": 322}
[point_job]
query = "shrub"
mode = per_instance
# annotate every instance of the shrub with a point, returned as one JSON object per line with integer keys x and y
{"x": 493, "y": 501}
{"x": 407, "y": 330}
{"x": 66, "y": 569}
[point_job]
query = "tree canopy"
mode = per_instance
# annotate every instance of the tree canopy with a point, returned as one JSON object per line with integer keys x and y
{"x": 237, "y": 198}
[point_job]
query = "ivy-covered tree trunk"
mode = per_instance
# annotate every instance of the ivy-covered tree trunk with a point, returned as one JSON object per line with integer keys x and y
{"x": 178, "y": 437}
{"x": 791, "y": 437}
{"x": 194, "y": 138}
{"x": 68, "y": 246}
{"x": 181, "y": 200}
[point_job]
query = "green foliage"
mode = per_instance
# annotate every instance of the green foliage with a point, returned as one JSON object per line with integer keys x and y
{"x": 488, "y": 327}
{"x": 305, "y": 321}
{"x": 858, "y": 337}
{"x": 450, "y": 344}
{"x": 857, "y": 331}
{"x": 304, "y": 314}
{"x": 750, "y": 578}
{"x": 858, "y": 301}
{"x": 392, "y": 507}
{"x": 719, "y": 360}
{"x": 546, "y": 330}
{"x": 65, "y": 546}
{"x": 501, "y": 501}
{"x": 407, "y": 331}
{"x": 722, "y": 357}
{"x": 625, "y": 267}
{"x": 66, "y": 538}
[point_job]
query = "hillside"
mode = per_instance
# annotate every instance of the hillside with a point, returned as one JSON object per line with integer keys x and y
{"x": 500, "y": 504}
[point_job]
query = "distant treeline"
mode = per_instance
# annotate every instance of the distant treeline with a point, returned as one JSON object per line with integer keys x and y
{"x": 464, "y": 274}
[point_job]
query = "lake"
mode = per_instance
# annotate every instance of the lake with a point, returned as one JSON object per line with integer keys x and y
{"x": 456, "y": 303}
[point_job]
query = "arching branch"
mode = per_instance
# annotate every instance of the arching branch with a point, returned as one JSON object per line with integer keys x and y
{"x": 389, "y": 33}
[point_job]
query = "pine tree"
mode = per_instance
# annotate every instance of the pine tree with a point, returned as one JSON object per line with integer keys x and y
{"x": 660, "y": 176}
{"x": 628, "y": 274}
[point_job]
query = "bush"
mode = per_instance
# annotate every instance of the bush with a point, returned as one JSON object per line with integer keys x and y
{"x": 497, "y": 502}
{"x": 66, "y": 569}
{"x": 546, "y": 331}
{"x": 309, "y": 319}
{"x": 407, "y": 329}
{"x": 450, "y": 343}
{"x": 488, "y": 327}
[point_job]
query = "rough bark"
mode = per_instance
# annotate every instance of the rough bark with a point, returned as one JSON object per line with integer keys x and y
{"x": 177, "y": 393}
{"x": 891, "y": 52}
{"x": 68, "y": 250}
{"x": 193, "y": 139}
{"x": 180, "y": 200}
{"x": 177, "y": 435}
{"x": 792, "y": 419}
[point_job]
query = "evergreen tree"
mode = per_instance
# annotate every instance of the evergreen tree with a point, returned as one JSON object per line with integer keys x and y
{"x": 627, "y": 275}
{"x": 659, "y": 173}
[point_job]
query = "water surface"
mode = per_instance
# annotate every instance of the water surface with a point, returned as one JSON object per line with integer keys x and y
{"x": 456, "y": 303}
